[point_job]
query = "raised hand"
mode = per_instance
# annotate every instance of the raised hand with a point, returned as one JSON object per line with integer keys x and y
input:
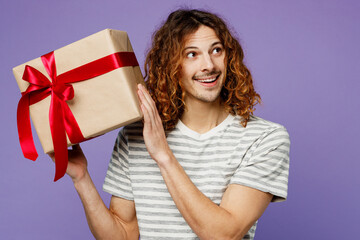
{"x": 154, "y": 134}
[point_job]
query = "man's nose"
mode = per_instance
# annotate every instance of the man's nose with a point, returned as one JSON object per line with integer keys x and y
{"x": 207, "y": 63}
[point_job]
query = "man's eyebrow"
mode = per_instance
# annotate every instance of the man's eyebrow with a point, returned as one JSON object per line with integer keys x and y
{"x": 216, "y": 43}
{"x": 193, "y": 47}
{"x": 190, "y": 47}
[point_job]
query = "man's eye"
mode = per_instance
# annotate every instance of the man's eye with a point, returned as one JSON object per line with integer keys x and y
{"x": 190, "y": 55}
{"x": 217, "y": 50}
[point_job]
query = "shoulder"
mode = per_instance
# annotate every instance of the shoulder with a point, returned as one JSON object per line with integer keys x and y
{"x": 131, "y": 131}
{"x": 258, "y": 123}
{"x": 259, "y": 128}
{"x": 133, "y": 127}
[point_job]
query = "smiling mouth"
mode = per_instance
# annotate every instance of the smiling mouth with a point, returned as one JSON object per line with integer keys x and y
{"x": 209, "y": 79}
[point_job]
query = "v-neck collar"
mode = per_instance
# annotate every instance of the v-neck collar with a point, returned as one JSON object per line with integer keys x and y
{"x": 201, "y": 136}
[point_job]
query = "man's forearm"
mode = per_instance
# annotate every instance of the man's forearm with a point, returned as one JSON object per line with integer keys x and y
{"x": 208, "y": 220}
{"x": 102, "y": 223}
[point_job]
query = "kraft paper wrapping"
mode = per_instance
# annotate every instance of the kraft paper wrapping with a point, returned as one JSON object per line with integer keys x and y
{"x": 101, "y": 104}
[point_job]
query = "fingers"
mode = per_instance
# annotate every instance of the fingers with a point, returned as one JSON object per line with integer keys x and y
{"x": 144, "y": 106}
{"x": 147, "y": 119}
{"x": 148, "y": 106}
{"x": 147, "y": 95}
{"x": 146, "y": 99}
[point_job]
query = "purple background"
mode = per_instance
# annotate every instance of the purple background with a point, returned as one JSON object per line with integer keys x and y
{"x": 304, "y": 56}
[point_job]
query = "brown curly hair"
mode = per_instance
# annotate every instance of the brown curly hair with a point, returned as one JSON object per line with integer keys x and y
{"x": 163, "y": 67}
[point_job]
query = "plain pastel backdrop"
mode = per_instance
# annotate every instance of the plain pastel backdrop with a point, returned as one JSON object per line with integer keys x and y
{"x": 305, "y": 60}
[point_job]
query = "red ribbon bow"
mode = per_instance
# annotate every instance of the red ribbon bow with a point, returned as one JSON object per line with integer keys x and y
{"x": 61, "y": 119}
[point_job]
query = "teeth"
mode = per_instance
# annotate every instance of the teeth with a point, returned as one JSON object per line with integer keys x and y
{"x": 207, "y": 80}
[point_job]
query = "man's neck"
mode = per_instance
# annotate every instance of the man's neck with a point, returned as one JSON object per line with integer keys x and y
{"x": 201, "y": 117}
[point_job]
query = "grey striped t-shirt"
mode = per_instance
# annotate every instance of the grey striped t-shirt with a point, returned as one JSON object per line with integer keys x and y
{"x": 256, "y": 156}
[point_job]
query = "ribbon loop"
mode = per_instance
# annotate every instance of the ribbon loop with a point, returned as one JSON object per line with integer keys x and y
{"x": 49, "y": 64}
{"x": 35, "y": 77}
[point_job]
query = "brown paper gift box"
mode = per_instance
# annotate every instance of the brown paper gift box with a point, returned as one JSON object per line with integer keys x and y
{"x": 102, "y": 103}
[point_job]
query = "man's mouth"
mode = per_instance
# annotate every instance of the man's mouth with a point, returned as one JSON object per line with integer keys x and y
{"x": 207, "y": 79}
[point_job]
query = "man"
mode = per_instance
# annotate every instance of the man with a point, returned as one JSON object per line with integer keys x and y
{"x": 200, "y": 165}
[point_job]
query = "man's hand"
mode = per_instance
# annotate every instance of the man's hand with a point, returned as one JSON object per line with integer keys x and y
{"x": 77, "y": 165}
{"x": 154, "y": 134}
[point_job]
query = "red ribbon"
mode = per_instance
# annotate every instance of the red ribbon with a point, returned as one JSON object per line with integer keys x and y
{"x": 61, "y": 119}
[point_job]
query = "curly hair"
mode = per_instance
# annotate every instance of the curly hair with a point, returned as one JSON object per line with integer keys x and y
{"x": 163, "y": 67}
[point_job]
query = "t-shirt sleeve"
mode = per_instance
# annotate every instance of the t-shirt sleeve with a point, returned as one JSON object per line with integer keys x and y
{"x": 266, "y": 166}
{"x": 117, "y": 181}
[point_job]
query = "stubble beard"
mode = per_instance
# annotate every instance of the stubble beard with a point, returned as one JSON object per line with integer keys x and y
{"x": 208, "y": 95}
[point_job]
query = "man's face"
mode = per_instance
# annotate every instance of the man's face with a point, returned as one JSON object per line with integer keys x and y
{"x": 203, "y": 67}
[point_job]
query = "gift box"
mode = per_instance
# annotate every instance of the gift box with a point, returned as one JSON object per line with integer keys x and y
{"x": 77, "y": 92}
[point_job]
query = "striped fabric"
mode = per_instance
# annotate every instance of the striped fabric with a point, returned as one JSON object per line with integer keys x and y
{"x": 256, "y": 156}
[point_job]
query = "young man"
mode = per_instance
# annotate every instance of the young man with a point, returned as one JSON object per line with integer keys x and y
{"x": 199, "y": 165}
